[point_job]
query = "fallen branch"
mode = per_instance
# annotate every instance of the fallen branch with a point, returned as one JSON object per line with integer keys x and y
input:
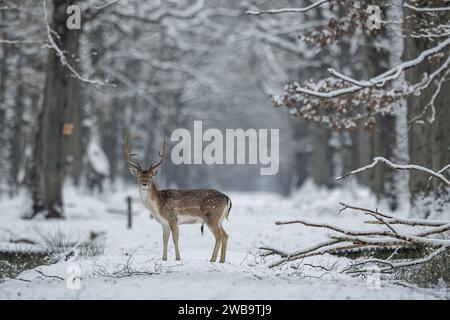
{"x": 390, "y": 266}
{"x": 49, "y": 276}
{"x": 393, "y": 220}
{"x": 334, "y": 228}
{"x": 344, "y": 241}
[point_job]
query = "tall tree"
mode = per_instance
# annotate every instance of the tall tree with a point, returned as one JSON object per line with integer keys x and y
{"x": 428, "y": 116}
{"x": 5, "y": 49}
{"x": 16, "y": 138}
{"x": 321, "y": 170}
{"x": 376, "y": 61}
{"x": 345, "y": 102}
{"x": 60, "y": 95}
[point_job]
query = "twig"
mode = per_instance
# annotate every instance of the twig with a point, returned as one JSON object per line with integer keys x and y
{"x": 380, "y": 80}
{"x": 60, "y": 53}
{"x": 347, "y": 240}
{"x": 287, "y": 10}
{"x": 334, "y": 228}
{"x": 347, "y": 206}
{"x": 19, "y": 279}
{"x": 105, "y": 5}
{"x": 49, "y": 276}
{"x": 425, "y": 9}
{"x": 413, "y": 167}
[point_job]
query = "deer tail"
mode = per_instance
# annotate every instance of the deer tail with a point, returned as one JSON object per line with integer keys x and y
{"x": 230, "y": 204}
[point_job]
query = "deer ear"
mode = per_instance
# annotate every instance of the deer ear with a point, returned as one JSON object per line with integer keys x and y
{"x": 134, "y": 171}
{"x": 155, "y": 171}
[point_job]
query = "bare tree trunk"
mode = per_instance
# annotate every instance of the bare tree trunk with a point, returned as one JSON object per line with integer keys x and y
{"x": 112, "y": 139}
{"x": 321, "y": 157}
{"x": 49, "y": 159}
{"x": 16, "y": 140}
{"x": 302, "y": 155}
{"x": 384, "y": 143}
{"x": 175, "y": 175}
{"x": 419, "y": 135}
{"x": 441, "y": 150}
{"x": 3, "y": 78}
{"x": 383, "y": 182}
{"x": 364, "y": 154}
{"x": 346, "y": 154}
{"x": 73, "y": 113}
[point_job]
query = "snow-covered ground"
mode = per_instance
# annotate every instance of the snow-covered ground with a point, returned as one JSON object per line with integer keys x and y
{"x": 131, "y": 268}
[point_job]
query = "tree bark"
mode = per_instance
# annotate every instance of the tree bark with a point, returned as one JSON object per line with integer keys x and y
{"x": 384, "y": 144}
{"x": 441, "y": 150}
{"x": 16, "y": 140}
{"x": 302, "y": 154}
{"x": 383, "y": 136}
{"x": 73, "y": 114}
{"x": 49, "y": 159}
{"x": 419, "y": 135}
{"x": 364, "y": 152}
{"x": 3, "y": 78}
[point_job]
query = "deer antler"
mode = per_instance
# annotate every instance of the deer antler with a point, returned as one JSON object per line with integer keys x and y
{"x": 162, "y": 154}
{"x": 127, "y": 154}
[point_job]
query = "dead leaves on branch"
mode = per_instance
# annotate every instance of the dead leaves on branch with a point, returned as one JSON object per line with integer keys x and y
{"x": 344, "y": 112}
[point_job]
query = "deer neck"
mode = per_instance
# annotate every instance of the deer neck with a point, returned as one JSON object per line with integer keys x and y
{"x": 151, "y": 199}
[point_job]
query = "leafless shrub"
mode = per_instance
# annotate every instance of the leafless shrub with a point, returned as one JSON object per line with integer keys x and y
{"x": 123, "y": 270}
{"x": 55, "y": 240}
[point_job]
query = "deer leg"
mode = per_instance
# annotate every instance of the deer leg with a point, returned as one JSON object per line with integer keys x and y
{"x": 166, "y": 234}
{"x": 175, "y": 235}
{"x": 224, "y": 244}
{"x": 216, "y": 232}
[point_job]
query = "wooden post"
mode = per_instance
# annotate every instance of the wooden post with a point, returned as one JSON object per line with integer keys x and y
{"x": 130, "y": 213}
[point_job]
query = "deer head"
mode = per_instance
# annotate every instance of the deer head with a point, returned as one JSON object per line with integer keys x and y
{"x": 145, "y": 177}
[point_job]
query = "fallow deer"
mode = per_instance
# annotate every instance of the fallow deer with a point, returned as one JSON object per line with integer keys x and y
{"x": 173, "y": 207}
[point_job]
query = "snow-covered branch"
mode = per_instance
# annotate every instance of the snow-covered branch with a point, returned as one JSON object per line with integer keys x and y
{"x": 425, "y": 9}
{"x": 392, "y": 165}
{"x": 7, "y": 41}
{"x": 62, "y": 58}
{"x": 379, "y": 80}
{"x": 103, "y": 6}
{"x": 346, "y": 241}
{"x": 287, "y": 10}
{"x": 439, "y": 82}
{"x": 158, "y": 14}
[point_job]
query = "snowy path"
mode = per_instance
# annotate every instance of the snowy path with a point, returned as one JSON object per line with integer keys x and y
{"x": 244, "y": 276}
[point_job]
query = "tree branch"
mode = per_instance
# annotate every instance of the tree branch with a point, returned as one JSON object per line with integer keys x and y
{"x": 286, "y": 10}
{"x": 379, "y": 80}
{"x": 410, "y": 167}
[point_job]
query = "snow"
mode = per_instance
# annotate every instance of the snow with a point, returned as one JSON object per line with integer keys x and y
{"x": 97, "y": 158}
{"x": 245, "y": 275}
